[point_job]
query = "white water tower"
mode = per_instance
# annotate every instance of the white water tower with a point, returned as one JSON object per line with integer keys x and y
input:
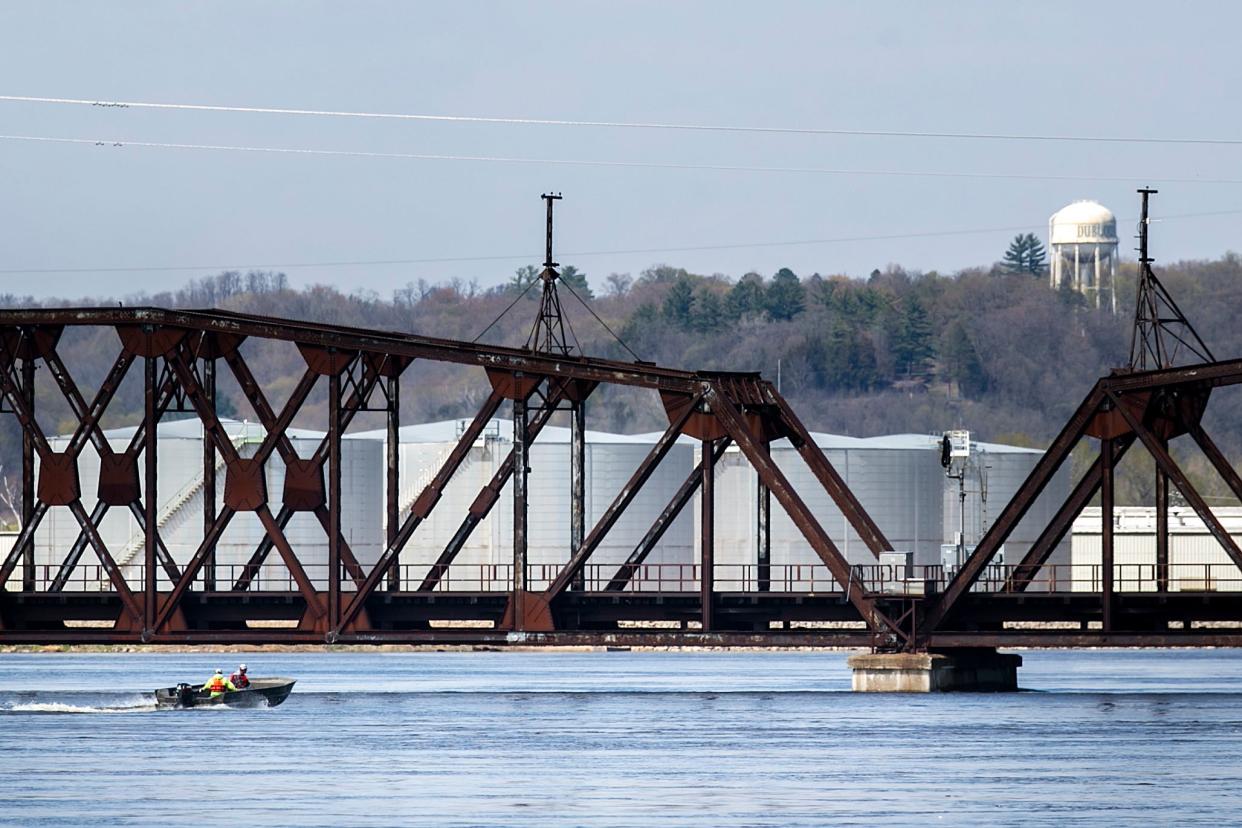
{"x": 1083, "y": 238}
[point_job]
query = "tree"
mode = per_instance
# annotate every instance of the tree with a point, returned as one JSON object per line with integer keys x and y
{"x": 618, "y": 284}
{"x": 678, "y": 302}
{"x": 746, "y": 298}
{"x": 524, "y": 277}
{"x": 707, "y": 312}
{"x": 577, "y": 281}
{"x": 786, "y": 297}
{"x": 1025, "y": 255}
{"x": 961, "y": 361}
{"x": 911, "y": 338}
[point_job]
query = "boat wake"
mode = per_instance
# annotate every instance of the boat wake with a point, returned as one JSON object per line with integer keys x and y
{"x": 133, "y": 704}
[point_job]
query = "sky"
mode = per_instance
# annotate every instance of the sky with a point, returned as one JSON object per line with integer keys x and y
{"x": 118, "y": 220}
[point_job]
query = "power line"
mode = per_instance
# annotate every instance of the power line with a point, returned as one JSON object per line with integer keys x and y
{"x": 649, "y": 125}
{"x": 658, "y": 165}
{"x": 582, "y": 254}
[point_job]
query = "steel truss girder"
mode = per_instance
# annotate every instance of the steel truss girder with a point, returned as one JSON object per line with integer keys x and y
{"x": 489, "y": 494}
{"x": 176, "y": 336}
{"x": 12, "y": 391}
{"x": 211, "y": 424}
{"x": 253, "y": 393}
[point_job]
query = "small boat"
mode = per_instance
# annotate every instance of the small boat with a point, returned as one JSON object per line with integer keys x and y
{"x": 262, "y": 692}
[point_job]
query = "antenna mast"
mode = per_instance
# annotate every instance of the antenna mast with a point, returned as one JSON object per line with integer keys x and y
{"x": 1161, "y": 330}
{"x": 548, "y": 333}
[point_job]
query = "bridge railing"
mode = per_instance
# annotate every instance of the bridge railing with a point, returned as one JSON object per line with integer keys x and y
{"x": 685, "y": 578}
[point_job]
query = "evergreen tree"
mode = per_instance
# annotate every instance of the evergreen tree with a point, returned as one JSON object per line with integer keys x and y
{"x": 747, "y": 297}
{"x": 961, "y": 361}
{"x": 1036, "y": 256}
{"x": 911, "y": 339}
{"x": 785, "y": 296}
{"x": 577, "y": 280}
{"x": 707, "y": 312}
{"x": 678, "y": 302}
{"x": 1026, "y": 254}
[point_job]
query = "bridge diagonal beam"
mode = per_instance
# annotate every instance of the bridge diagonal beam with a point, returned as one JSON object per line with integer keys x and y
{"x": 24, "y": 537}
{"x": 88, "y": 418}
{"x": 625, "y": 573}
{"x": 251, "y": 568}
{"x": 25, "y": 415}
{"x": 488, "y": 495}
{"x": 101, "y": 509}
{"x": 829, "y": 478}
{"x": 776, "y": 481}
{"x": 1217, "y": 458}
{"x": 1156, "y": 447}
{"x": 622, "y": 501}
{"x": 267, "y": 417}
{"x": 423, "y": 505}
{"x": 184, "y": 372}
{"x": 1024, "y": 573}
{"x": 1016, "y": 509}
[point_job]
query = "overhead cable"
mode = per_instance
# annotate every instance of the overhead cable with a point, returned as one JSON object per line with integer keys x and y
{"x": 649, "y": 125}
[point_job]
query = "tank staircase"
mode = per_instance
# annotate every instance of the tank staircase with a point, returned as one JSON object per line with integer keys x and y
{"x": 171, "y": 509}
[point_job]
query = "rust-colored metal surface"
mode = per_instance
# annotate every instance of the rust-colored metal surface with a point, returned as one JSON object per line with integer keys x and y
{"x": 412, "y": 594}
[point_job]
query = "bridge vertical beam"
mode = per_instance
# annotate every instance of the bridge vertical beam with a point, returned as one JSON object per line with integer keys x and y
{"x": 521, "y": 447}
{"x": 393, "y": 513}
{"x": 763, "y": 528}
{"x": 150, "y": 494}
{"x": 334, "y": 500}
{"x": 1162, "y": 526}
{"x": 1106, "y": 533}
{"x": 577, "y": 482}
{"x": 28, "y": 478}
{"x": 627, "y": 570}
{"x": 707, "y": 550}
{"x": 209, "y": 474}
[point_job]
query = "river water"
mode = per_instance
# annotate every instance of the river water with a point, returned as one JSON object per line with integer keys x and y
{"x": 620, "y": 739}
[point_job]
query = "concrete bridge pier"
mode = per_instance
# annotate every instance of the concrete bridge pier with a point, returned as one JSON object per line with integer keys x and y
{"x": 971, "y": 669}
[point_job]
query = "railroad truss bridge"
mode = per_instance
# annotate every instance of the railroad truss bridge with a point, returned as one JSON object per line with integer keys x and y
{"x": 414, "y": 594}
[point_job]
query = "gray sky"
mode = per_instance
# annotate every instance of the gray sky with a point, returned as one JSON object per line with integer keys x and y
{"x": 1049, "y": 68}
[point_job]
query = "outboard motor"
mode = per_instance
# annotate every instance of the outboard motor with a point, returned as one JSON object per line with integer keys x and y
{"x": 185, "y": 695}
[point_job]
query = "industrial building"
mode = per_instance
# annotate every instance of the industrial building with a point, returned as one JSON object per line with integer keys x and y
{"x": 179, "y": 515}
{"x": 1197, "y": 561}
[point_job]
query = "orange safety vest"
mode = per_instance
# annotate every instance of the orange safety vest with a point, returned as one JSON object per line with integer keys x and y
{"x": 216, "y": 684}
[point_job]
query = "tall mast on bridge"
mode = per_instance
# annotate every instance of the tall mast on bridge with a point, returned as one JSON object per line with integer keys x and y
{"x": 1161, "y": 330}
{"x": 548, "y": 333}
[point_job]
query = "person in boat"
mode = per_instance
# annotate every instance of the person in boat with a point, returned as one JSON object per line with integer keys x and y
{"x": 218, "y": 685}
{"x": 240, "y": 680}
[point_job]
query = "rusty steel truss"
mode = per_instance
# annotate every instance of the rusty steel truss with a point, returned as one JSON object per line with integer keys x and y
{"x": 180, "y": 353}
{"x": 411, "y": 593}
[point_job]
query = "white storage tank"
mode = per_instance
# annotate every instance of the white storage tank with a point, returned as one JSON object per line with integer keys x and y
{"x": 899, "y": 482}
{"x": 180, "y": 510}
{"x": 483, "y": 563}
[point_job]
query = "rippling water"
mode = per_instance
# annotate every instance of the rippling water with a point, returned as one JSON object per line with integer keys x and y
{"x": 606, "y": 739}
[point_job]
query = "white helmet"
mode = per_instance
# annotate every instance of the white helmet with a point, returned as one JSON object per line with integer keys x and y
{"x": 219, "y": 672}
{"x": 241, "y": 667}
